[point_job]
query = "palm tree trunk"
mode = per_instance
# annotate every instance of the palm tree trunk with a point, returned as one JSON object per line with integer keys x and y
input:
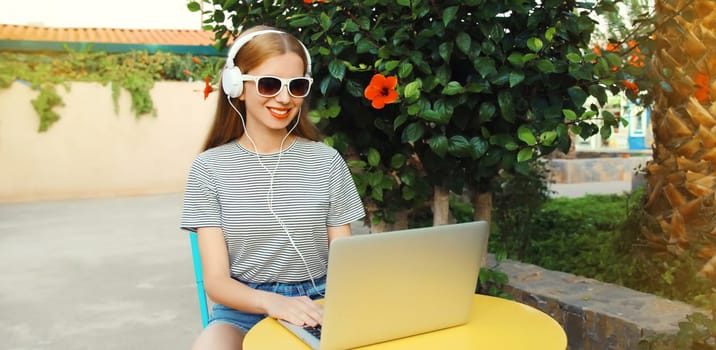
{"x": 681, "y": 178}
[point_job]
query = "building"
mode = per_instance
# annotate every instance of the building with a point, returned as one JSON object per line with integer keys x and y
{"x": 25, "y": 38}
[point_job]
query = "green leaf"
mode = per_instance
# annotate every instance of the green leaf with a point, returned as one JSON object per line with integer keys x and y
{"x": 545, "y": 66}
{"x": 377, "y": 194}
{"x": 478, "y": 147}
{"x": 534, "y": 44}
{"x": 488, "y": 47}
{"x": 608, "y": 117}
{"x": 431, "y": 115}
{"x": 444, "y": 110}
{"x": 459, "y": 146}
{"x": 397, "y": 161}
{"x": 487, "y": 111}
{"x": 528, "y": 57}
{"x": 581, "y": 71}
{"x": 525, "y": 134}
{"x": 364, "y": 22}
{"x": 406, "y": 68}
{"x": 387, "y": 183}
{"x": 412, "y": 90}
{"x": 193, "y": 6}
{"x": 506, "y": 103}
{"x": 406, "y": 3}
{"x": 390, "y": 65}
{"x": 365, "y": 46}
{"x": 463, "y": 42}
{"x": 605, "y": 132}
{"x": 549, "y": 33}
{"x": 413, "y": 132}
{"x": 599, "y": 92}
{"x": 354, "y": 89}
{"x": 587, "y": 130}
{"x": 413, "y": 109}
{"x": 574, "y": 58}
{"x": 485, "y": 66}
{"x": 219, "y": 16}
{"x": 525, "y": 154}
{"x": 304, "y": 21}
{"x": 445, "y": 51}
{"x": 325, "y": 84}
{"x": 453, "y": 88}
{"x": 357, "y": 164}
{"x": 337, "y": 69}
{"x": 547, "y": 138}
{"x": 500, "y": 78}
{"x": 578, "y": 95}
{"x": 373, "y": 157}
{"x": 516, "y": 78}
{"x": 569, "y": 114}
{"x": 350, "y": 26}
{"x": 442, "y": 75}
{"x": 375, "y": 178}
{"x": 439, "y": 145}
{"x": 613, "y": 59}
{"x": 449, "y": 14}
{"x": 478, "y": 86}
{"x": 397, "y": 122}
{"x": 408, "y": 193}
{"x": 588, "y": 114}
{"x": 325, "y": 21}
{"x": 516, "y": 59}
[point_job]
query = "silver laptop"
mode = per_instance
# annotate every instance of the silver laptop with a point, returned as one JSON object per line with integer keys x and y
{"x": 395, "y": 284}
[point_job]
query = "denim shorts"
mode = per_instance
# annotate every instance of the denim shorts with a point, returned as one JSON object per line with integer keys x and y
{"x": 245, "y": 320}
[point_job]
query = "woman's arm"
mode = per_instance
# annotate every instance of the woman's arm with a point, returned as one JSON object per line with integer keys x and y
{"x": 338, "y": 231}
{"x": 223, "y": 289}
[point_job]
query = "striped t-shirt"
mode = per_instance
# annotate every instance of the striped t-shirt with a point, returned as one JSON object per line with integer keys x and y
{"x": 312, "y": 188}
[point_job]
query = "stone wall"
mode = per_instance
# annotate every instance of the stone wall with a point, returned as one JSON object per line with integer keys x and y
{"x": 595, "y": 169}
{"x": 95, "y": 151}
{"x": 594, "y": 315}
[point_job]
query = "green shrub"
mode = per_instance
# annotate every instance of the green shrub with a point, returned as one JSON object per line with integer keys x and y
{"x": 597, "y": 236}
{"x": 516, "y": 200}
{"x": 133, "y": 71}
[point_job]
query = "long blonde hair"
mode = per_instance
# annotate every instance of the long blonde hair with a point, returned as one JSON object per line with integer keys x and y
{"x": 226, "y": 126}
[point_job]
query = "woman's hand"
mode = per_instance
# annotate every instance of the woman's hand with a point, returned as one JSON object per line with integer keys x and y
{"x": 301, "y": 311}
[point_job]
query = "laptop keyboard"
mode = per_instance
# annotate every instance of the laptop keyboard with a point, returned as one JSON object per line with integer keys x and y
{"x": 315, "y": 331}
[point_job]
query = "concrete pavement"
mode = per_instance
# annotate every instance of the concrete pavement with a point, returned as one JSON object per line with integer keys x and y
{"x": 96, "y": 274}
{"x": 111, "y": 273}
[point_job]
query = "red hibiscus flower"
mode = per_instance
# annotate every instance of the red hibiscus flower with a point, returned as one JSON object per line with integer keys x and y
{"x": 207, "y": 87}
{"x": 381, "y": 90}
{"x": 631, "y": 86}
{"x": 613, "y": 47}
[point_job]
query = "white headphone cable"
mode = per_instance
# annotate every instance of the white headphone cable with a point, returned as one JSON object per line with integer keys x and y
{"x": 269, "y": 195}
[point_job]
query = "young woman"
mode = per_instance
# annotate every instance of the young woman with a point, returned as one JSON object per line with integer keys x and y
{"x": 265, "y": 197}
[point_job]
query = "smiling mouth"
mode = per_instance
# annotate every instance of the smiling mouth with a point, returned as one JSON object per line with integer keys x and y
{"x": 280, "y": 113}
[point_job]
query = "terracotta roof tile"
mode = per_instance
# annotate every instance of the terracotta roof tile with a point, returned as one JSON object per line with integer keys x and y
{"x": 108, "y": 35}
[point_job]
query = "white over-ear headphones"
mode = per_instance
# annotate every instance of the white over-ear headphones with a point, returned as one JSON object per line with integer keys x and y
{"x": 231, "y": 78}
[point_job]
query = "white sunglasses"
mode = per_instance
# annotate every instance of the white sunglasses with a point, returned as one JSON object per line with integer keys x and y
{"x": 270, "y": 86}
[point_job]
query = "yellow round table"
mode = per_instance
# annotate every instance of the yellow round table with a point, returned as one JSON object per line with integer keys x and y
{"x": 495, "y": 324}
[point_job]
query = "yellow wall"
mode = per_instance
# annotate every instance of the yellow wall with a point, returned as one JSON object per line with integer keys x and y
{"x": 93, "y": 151}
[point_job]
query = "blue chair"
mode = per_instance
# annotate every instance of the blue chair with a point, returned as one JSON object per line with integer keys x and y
{"x": 199, "y": 277}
